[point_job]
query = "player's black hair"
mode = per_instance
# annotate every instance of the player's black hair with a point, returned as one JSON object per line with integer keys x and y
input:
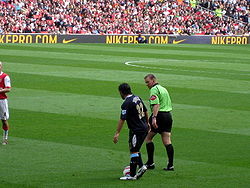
{"x": 125, "y": 89}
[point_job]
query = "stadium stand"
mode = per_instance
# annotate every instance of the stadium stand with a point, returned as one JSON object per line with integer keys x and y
{"x": 182, "y": 17}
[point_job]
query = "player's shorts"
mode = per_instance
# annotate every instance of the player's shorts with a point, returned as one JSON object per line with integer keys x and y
{"x": 4, "y": 110}
{"x": 136, "y": 140}
{"x": 164, "y": 121}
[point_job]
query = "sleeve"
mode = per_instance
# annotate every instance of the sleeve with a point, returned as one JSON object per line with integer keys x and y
{"x": 7, "y": 82}
{"x": 154, "y": 97}
{"x": 123, "y": 115}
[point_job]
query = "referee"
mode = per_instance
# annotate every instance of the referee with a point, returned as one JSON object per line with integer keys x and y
{"x": 160, "y": 121}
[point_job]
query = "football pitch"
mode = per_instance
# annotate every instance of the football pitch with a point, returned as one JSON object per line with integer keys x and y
{"x": 64, "y": 107}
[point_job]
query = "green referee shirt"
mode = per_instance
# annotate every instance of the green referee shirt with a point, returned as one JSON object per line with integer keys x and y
{"x": 160, "y": 95}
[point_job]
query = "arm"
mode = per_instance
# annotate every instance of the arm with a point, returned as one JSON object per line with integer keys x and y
{"x": 5, "y": 90}
{"x": 147, "y": 120}
{"x": 118, "y": 130}
{"x": 156, "y": 108}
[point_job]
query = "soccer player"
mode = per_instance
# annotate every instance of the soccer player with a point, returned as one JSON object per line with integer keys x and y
{"x": 5, "y": 87}
{"x": 160, "y": 121}
{"x": 134, "y": 112}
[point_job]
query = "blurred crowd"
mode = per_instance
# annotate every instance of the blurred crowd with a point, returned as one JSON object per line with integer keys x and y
{"x": 184, "y": 17}
{"x": 237, "y": 9}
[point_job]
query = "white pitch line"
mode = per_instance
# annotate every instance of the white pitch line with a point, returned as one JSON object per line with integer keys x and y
{"x": 130, "y": 63}
{"x": 141, "y": 66}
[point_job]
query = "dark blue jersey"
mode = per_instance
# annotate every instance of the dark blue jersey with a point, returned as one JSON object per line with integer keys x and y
{"x": 133, "y": 111}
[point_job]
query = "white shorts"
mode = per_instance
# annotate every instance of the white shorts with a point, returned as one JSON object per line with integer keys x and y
{"x": 4, "y": 110}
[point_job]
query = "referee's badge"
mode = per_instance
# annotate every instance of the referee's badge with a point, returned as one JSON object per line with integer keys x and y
{"x": 153, "y": 97}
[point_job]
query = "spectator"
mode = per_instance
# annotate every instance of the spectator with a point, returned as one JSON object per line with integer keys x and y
{"x": 124, "y": 17}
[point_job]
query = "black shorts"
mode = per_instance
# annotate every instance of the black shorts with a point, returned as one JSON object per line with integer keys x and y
{"x": 136, "y": 140}
{"x": 164, "y": 121}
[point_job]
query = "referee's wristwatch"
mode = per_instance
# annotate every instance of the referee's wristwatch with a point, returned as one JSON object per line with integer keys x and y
{"x": 153, "y": 117}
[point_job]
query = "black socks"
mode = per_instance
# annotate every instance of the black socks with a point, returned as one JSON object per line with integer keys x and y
{"x": 170, "y": 152}
{"x": 133, "y": 165}
{"x": 150, "y": 150}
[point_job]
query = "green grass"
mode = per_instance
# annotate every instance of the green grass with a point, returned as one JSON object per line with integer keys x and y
{"x": 64, "y": 107}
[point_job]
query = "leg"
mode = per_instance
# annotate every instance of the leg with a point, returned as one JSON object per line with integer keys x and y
{"x": 5, "y": 131}
{"x": 140, "y": 140}
{"x": 166, "y": 140}
{"x": 4, "y": 116}
{"x": 134, "y": 161}
{"x": 150, "y": 149}
{"x": 134, "y": 158}
{"x": 142, "y": 168}
{"x": 140, "y": 163}
{"x": 135, "y": 142}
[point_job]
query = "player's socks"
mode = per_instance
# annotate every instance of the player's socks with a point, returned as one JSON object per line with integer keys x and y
{"x": 133, "y": 163}
{"x": 5, "y": 132}
{"x": 170, "y": 152}
{"x": 5, "y": 137}
{"x": 140, "y": 163}
{"x": 150, "y": 150}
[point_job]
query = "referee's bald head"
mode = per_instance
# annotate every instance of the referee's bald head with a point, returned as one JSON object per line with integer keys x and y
{"x": 150, "y": 76}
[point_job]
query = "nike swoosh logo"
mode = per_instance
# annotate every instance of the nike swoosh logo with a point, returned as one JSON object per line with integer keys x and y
{"x": 178, "y": 41}
{"x": 68, "y": 41}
